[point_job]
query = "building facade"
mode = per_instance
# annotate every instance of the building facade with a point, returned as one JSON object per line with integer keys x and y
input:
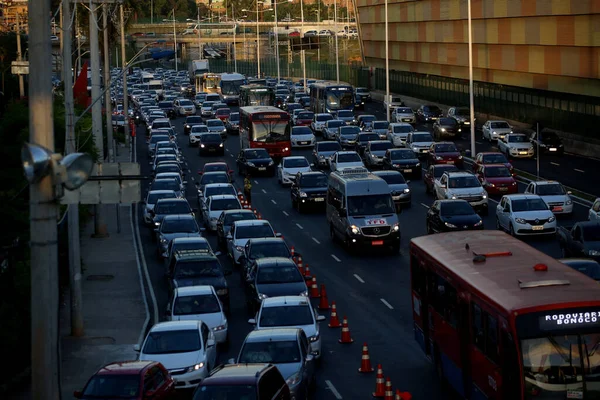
{"x": 9, "y": 9}
{"x": 549, "y": 45}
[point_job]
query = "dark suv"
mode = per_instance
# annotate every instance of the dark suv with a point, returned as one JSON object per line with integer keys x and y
{"x": 238, "y": 381}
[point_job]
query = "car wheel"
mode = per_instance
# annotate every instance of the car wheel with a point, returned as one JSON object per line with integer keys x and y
{"x": 511, "y": 230}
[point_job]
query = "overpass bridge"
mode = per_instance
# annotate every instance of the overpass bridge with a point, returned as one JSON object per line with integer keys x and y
{"x": 167, "y": 28}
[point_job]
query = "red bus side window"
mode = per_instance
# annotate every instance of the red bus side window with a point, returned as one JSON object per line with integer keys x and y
{"x": 491, "y": 339}
{"x": 485, "y": 332}
{"x": 445, "y": 300}
{"x": 478, "y": 330}
{"x": 419, "y": 281}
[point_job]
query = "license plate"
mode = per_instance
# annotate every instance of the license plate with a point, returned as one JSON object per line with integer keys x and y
{"x": 211, "y": 149}
{"x": 552, "y": 149}
{"x": 502, "y": 189}
{"x": 407, "y": 170}
{"x": 523, "y": 153}
{"x": 538, "y": 228}
{"x": 557, "y": 209}
{"x": 375, "y": 221}
{"x": 406, "y": 120}
{"x": 377, "y": 243}
{"x": 262, "y": 168}
{"x": 303, "y": 142}
{"x": 319, "y": 199}
{"x": 449, "y": 161}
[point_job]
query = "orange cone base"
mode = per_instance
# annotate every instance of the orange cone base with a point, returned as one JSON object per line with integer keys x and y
{"x": 347, "y": 341}
{"x": 362, "y": 371}
{"x": 338, "y": 325}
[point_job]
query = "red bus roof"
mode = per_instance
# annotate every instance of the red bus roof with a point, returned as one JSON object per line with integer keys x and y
{"x": 262, "y": 109}
{"x": 510, "y": 281}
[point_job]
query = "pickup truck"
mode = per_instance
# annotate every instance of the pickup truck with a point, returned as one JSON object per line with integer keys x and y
{"x": 580, "y": 240}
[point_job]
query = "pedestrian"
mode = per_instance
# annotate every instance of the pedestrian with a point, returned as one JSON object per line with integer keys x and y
{"x": 248, "y": 189}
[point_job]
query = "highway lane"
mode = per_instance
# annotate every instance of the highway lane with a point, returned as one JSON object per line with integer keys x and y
{"x": 372, "y": 290}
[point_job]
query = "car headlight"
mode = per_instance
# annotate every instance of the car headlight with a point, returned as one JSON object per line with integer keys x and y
{"x": 187, "y": 126}
{"x": 569, "y": 202}
{"x": 163, "y": 240}
{"x": 354, "y": 229}
{"x": 449, "y": 225}
{"x": 593, "y": 253}
{"x": 156, "y": 223}
{"x": 415, "y": 148}
{"x": 407, "y": 190}
{"x": 224, "y": 130}
{"x": 221, "y": 145}
{"x": 220, "y": 327}
{"x": 551, "y": 219}
{"x": 271, "y": 163}
{"x": 293, "y": 380}
{"x": 315, "y": 337}
{"x": 438, "y": 158}
{"x": 443, "y": 129}
{"x": 484, "y": 196}
{"x": 494, "y": 133}
{"x": 250, "y": 164}
{"x": 479, "y": 223}
{"x": 262, "y": 296}
{"x": 396, "y": 228}
{"x": 520, "y": 221}
{"x": 453, "y": 197}
{"x": 195, "y": 367}
{"x": 302, "y": 194}
{"x": 222, "y": 292}
{"x": 304, "y": 293}
{"x": 321, "y": 156}
{"x": 202, "y": 146}
{"x": 460, "y": 157}
{"x": 417, "y": 164}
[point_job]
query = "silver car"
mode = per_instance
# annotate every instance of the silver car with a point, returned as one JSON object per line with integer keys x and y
{"x": 381, "y": 128}
{"x": 217, "y": 126}
{"x": 375, "y": 151}
{"x": 151, "y": 199}
{"x": 346, "y": 115}
{"x": 404, "y": 114}
{"x": 398, "y": 187}
{"x": 319, "y": 121}
{"x": 175, "y": 226}
{"x": 331, "y": 128}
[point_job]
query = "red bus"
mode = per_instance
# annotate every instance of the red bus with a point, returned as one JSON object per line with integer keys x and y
{"x": 266, "y": 127}
{"x": 502, "y": 320}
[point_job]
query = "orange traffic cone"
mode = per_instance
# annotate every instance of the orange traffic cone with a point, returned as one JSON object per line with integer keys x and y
{"x": 379, "y": 383}
{"x": 306, "y": 270}
{"x": 259, "y": 216}
{"x": 403, "y": 395}
{"x": 301, "y": 266}
{"x": 334, "y": 321}
{"x": 324, "y": 302}
{"x": 389, "y": 392}
{"x": 365, "y": 362}
{"x": 345, "y": 338}
{"x": 255, "y": 212}
{"x": 314, "y": 289}
{"x": 293, "y": 251}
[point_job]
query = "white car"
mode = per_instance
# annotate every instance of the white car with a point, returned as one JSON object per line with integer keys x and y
{"x": 152, "y": 198}
{"x": 393, "y": 101}
{"x": 495, "y": 130}
{"x": 184, "y": 107}
{"x": 331, "y": 128}
{"x": 398, "y": 132}
{"x": 516, "y": 145}
{"x": 242, "y": 231}
{"x": 162, "y": 122}
{"x": 404, "y": 114}
{"x": 319, "y": 120}
{"x": 302, "y": 136}
{"x": 187, "y": 349}
{"x": 215, "y": 125}
{"x": 199, "y": 303}
{"x": 375, "y": 151}
{"x": 462, "y": 185}
{"x": 346, "y": 115}
{"x": 594, "y": 211}
{"x": 525, "y": 214}
{"x": 213, "y": 207}
{"x": 206, "y": 109}
{"x": 419, "y": 142}
{"x": 195, "y": 132}
{"x": 345, "y": 159}
{"x": 289, "y": 167}
{"x": 172, "y": 175}
{"x": 553, "y": 194}
{"x": 215, "y": 189}
{"x": 287, "y": 312}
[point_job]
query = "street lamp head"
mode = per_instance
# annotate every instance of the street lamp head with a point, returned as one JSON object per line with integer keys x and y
{"x": 37, "y": 162}
{"x": 75, "y": 170}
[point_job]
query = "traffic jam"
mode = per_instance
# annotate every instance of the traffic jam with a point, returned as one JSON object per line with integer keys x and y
{"x": 300, "y": 245}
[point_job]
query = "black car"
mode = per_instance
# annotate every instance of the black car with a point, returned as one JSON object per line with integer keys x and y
{"x": 198, "y": 267}
{"x": 233, "y": 123}
{"x": 166, "y": 207}
{"x": 270, "y": 277}
{"x": 359, "y": 102}
{"x": 586, "y": 266}
{"x": 255, "y": 161}
{"x": 211, "y": 143}
{"x": 362, "y": 140}
{"x": 305, "y": 101}
{"x": 167, "y": 107}
{"x": 226, "y": 220}
{"x": 309, "y": 189}
{"x": 429, "y": 113}
{"x": 191, "y": 121}
{"x": 290, "y": 107}
{"x": 452, "y": 215}
{"x": 403, "y": 160}
{"x": 258, "y": 248}
{"x": 549, "y": 142}
{"x": 445, "y": 128}
{"x": 363, "y": 93}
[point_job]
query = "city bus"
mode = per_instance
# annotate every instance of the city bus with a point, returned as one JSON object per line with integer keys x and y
{"x": 230, "y": 87}
{"x": 266, "y": 127}
{"x": 256, "y": 95}
{"x": 502, "y": 320}
{"x": 210, "y": 83}
{"x": 331, "y": 96}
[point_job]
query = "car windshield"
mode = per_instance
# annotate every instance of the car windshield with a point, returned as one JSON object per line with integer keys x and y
{"x": 179, "y": 226}
{"x": 106, "y": 386}
{"x": 257, "y": 154}
{"x": 224, "y": 204}
{"x": 254, "y": 231}
{"x": 554, "y": 189}
{"x": 193, "y": 269}
{"x": 230, "y": 218}
{"x": 216, "y": 168}
{"x": 301, "y": 130}
{"x": 364, "y": 138}
{"x": 218, "y": 190}
{"x": 226, "y": 392}
{"x": 324, "y": 117}
{"x": 422, "y": 137}
{"x": 376, "y": 204}
{"x": 380, "y": 125}
{"x": 208, "y": 104}
{"x": 165, "y": 157}
{"x": 199, "y": 128}
{"x": 214, "y": 122}
{"x": 393, "y": 179}
{"x": 448, "y": 121}
{"x": 402, "y": 129}
{"x": 348, "y": 158}
{"x": 404, "y": 110}
{"x": 335, "y": 124}
{"x": 367, "y": 118}
{"x": 591, "y": 233}
{"x": 165, "y": 150}
{"x": 499, "y": 125}
{"x": 529, "y": 205}
{"x": 295, "y": 163}
{"x": 446, "y": 148}
{"x": 588, "y": 267}
{"x": 497, "y": 172}
{"x": 172, "y": 207}
{"x": 349, "y": 131}
{"x": 313, "y": 181}
{"x": 262, "y": 250}
{"x": 439, "y": 170}
{"x": 196, "y": 304}
{"x": 234, "y": 117}
{"x": 169, "y": 342}
{"x": 166, "y": 184}
{"x": 432, "y": 109}
{"x": 278, "y": 274}
{"x": 402, "y": 155}
{"x": 211, "y": 138}
{"x": 362, "y": 90}
{"x": 275, "y": 352}
{"x": 286, "y": 316}
{"x": 306, "y": 115}
{"x": 331, "y": 146}
{"x": 214, "y": 178}
{"x": 453, "y": 208}
{"x": 223, "y": 111}
{"x": 270, "y": 130}
{"x": 195, "y": 245}
{"x": 154, "y": 197}
{"x": 158, "y": 138}
{"x": 161, "y": 124}
{"x": 494, "y": 159}
{"x": 345, "y": 114}
{"x": 193, "y": 120}
{"x": 517, "y": 139}
{"x": 461, "y": 182}
{"x": 381, "y": 146}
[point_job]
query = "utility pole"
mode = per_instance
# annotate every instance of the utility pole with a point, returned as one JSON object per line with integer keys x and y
{"x": 20, "y": 58}
{"x": 78, "y": 41}
{"x": 43, "y": 213}
{"x": 125, "y": 92}
{"x": 73, "y": 211}
{"x": 175, "y": 40}
{"x": 108, "y": 105}
{"x": 337, "y": 48}
{"x": 100, "y": 230}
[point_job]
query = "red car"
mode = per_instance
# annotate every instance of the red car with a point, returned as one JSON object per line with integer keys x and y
{"x": 129, "y": 379}
{"x": 304, "y": 118}
{"x": 435, "y": 172}
{"x": 444, "y": 153}
{"x": 497, "y": 179}
{"x": 492, "y": 157}
{"x": 223, "y": 114}
{"x": 216, "y": 167}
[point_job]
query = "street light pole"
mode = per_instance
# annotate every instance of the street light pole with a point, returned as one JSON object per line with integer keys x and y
{"x": 175, "y": 40}
{"x": 277, "y": 44}
{"x": 337, "y": 50}
{"x": 124, "y": 68}
{"x": 257, "y": 39}
{"x": 387, "y": 65}
{"x": 151, "y": 11}
{"x": 302, "y": 51}
{"x": 471, "y": 98}
{"x": 234, "y": 42}
{"x": 107, "y": 105}
{"x": 200, "y": 52}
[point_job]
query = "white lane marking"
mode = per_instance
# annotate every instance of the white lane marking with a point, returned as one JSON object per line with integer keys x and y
{"x": 425, "y": 205}
{"x": 333, "y": 390}
{"x": 299, "y": 226}
{"x": 286, "y": 214}
{"x": 335, "y": 258}
{"x": 388, "y": 305}
{"x": 358, "y": 278}
{"x": 189, "y": 171}
{"x": 273, "y": 201}
{"x": 255, "y": 182}
{"x": 495, "y": 201}
{"x": 193, "y": 178}
{"x": 139, "y": 267}
{"x": 264, "y": 191}
{"x": 316, "y": 241}
{"x": 554, "y": 163}
{"x": 578, "y": 170}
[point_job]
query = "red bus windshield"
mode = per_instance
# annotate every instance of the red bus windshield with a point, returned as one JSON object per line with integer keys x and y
{"x": 270, "y": 131}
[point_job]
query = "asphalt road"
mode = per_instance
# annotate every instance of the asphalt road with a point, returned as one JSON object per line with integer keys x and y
{"x": 372, "y": 290}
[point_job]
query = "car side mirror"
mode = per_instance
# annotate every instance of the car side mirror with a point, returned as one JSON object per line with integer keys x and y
{"x": 136, "y": 348}
{"x": 310, "y": 357}
{"x": 252, "y": 321}
{"x": 78, "y": 394}
{"x": 218, "y": 253}
{"x": 229, "y": 237}
{"x": 278, "y": 235}
{"x": 210, "y": 343}
{"x": 320, "y": 318}
{"x": 231, "y": 361}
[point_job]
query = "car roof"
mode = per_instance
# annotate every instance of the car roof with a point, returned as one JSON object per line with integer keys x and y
{"x": 162, "y": 120}
{"x": 274, "y": 261}
{"x": 497, "y": 120}
{"x": 379, "y": 141}
{"x": 215, "y": 163}
{"x": 195, "y": 239}
{"x": 400, "y": 124}
{"x": 272, "y": 335}
{"x": 270, "y": 240}
{"x": 194, "y": 290}
{"x": 251, "y": 222}
{"x": 216, "y": 185}
{"x": 235, "y": 374}
{"x": 486, "y": 166}
{"x": 179, "y": 217}
{"x": 241, "y": 210}
{"x": 223, "y": 197}
{"x": 285, "y": 300}
{"x": 215, "y": 172}
{"x": 386, "y": 172}
{"x": 177, "y": 200}
{"x": 542, "y": 183}
{"x": 175, "y": 326}
{"x": 312, "y": 173}
{"x": 162, "y": 191}
{"x": 452, "y": 174}
{"x": 294, "y": 158}
{"x": 521, "y": 196}
{"x": 125, "y": 367}
{"x": 347, "y": 152}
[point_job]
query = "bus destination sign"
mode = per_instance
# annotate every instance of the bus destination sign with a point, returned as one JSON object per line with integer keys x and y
{"x": 260, "y": 90}
{"x": 268, "y": 116}
{"x": 553, "y": 321}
